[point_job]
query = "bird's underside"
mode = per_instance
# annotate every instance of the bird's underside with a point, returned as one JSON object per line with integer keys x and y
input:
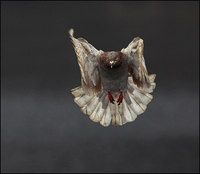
{"x": 115, "y": 85}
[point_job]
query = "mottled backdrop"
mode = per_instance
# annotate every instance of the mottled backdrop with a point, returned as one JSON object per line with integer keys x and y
{"x": 43, "y": 130}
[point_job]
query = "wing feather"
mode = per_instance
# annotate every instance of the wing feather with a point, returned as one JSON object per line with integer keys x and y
{"x": 87, "y": 56}
{"x": 136, "y": 62}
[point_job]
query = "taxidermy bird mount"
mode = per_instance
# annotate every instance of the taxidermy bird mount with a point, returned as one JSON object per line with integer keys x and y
{"x": 115, "y": 85}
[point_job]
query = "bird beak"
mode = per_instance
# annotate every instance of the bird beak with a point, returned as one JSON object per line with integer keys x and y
{"x": 111, "y": 63}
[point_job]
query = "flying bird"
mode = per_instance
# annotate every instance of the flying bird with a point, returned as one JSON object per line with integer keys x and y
{"x": 115, "y": 85}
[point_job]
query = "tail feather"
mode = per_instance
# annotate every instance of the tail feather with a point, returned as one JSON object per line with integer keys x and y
{"x": 126, "y": 112}
{"x": 84, "y": 109}
{"x": 77, "y": 92}
{"x": 144, "y": 98}
{"x": 138, "y": 101}
{"x": 106, "y": 119}
{"x": 99, "y": 109}
{"x": 133, "y": 114}
{"x": 95, "y": 115}
{"x": 98, "y": 113}
{"x": 116, "y": 115}
{"x": 92, "y": 105}
{"x": 83, "y": 100}
{"x": 135, "y": 106}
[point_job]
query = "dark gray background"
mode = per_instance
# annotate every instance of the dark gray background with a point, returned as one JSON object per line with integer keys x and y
{"x": 43, "y": 130}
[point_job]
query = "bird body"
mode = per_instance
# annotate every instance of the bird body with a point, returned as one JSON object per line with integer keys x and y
{"x": 113, "y": 67}
{"x": 115, "y": 85}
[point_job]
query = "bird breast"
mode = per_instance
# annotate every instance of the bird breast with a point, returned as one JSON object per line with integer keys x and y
{"x": 113, "y": 71}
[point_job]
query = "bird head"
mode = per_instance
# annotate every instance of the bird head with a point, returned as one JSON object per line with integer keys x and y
{"x": 111, "y": 60}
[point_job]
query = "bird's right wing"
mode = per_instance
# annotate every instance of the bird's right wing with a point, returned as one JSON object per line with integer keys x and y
{"x": 88, "y": 62}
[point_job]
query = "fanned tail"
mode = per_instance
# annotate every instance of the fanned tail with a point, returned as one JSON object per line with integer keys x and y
{"x": 95, "y": 105}
{"x": 99, "y": 109}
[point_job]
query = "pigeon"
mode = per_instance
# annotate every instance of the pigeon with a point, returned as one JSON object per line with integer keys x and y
{"x": 115, "y": 85}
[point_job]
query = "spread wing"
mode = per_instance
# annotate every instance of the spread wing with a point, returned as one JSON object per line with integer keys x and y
{"x": 136, "y": 62}
{"x": 88, "y": 62}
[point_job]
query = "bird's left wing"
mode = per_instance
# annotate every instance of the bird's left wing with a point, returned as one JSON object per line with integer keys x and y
{"x": 136, "y": 62}
{"x": 88, "y": 57}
